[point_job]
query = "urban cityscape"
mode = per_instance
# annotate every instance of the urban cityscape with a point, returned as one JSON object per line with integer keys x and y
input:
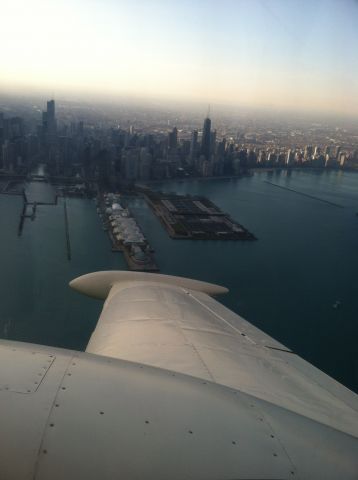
{"x": 114, "y": 153}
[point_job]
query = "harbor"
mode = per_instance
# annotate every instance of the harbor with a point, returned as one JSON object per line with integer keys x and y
{"x": 125, "y": 234}
{"x": 29, "y": 209}
{"x": 265, "y": 278}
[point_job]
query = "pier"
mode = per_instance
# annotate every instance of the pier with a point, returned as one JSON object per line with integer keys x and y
{"x": 133, "y": 245}
{"x": 305, "y": 194}
{"x": 12, "y": 187}
{"x": 22, "y": 219}
{"x": 194, "y": 218}
{"x": 67, "y": 232}
{"x": 24, "y": 214}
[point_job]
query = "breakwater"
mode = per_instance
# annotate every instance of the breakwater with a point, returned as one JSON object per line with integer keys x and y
{"x": 333, "y": 204}
{"x": 67, "y": 231}
{"x": 32, "y": 214}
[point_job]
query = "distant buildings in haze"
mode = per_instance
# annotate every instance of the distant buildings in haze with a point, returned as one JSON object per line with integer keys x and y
{"x": 111, "y": 156}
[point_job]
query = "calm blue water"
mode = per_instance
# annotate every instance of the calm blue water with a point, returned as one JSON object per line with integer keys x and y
{"x": 305, "y": 259}
{"x": 36, "y": 303}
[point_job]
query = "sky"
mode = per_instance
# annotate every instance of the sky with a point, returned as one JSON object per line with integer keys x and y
{"x": 294, "y": 54}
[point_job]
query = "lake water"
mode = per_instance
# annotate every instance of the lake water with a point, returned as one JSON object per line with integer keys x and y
{"x": 286, "y": 283}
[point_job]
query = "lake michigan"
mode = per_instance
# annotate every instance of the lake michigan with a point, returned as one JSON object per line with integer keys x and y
{"x": 286, "y": 282}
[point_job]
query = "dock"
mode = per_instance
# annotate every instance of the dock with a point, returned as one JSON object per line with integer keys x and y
{"x": 24, "y": 214}
{"x": 134, "y": 247}
{"x": 194, "y": 218}
{"x": 22, "y": 219}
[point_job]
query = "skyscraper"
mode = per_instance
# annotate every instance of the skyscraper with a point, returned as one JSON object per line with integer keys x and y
{"x": 173, "y": 139}
{"x": 51, "y": 108}
{"x": 50, "y": 118}
{"x": 290, "y": 159}
{"x": 206, "y": 139}
{"x": 193, "y": 146}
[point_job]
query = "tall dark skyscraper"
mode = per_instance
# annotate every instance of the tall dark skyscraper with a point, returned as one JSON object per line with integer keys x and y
{"x": 51, "y": 108}
{"x": 193, "y": 145}
{"x": 173, "y": 138}
{"x": 50, "y": 118}
{"x": 49, "y": 124}
{"x": 206, "y": 139}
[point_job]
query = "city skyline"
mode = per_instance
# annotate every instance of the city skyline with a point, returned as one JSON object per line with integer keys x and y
{"x": 89, "y": 150}
{"x": 287, "y": 55}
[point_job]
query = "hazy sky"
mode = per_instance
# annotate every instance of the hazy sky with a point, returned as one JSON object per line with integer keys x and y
{"x": 282, "y": 53}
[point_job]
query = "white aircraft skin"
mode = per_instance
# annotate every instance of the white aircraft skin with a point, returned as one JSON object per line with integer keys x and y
{"x": 173, "y": 385}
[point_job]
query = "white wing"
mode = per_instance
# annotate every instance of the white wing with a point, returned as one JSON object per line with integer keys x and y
{"x": 172, "y": 323}
{"x": 227, "y": 402}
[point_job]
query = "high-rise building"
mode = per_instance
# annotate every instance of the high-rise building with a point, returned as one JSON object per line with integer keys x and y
{"x": 290, "y": 159}
{"x": 16, "y": 127}
{"x": 262, "y": 157}
{"x": 8, "y": 156}
{"x": 213, "y": 142}
{"x": 272, "y": 158}
{"x": 308, "y": 152}
{"x": 173, "y": 139}
{"x": 317, "y": 152}
{"x": 51, "y": 108}
{"x": 206, "y": 139}
{"x": 193, "y": 146}
{"x": 338, "y": 151}
{"x": 49, "y": 126}
{"x": 342, "y": 159}
{"x": 51, "y": 119}
{"x": 251, "y": 158}
{"x": 145, "y": 163}
{"x": 130, "y": 162}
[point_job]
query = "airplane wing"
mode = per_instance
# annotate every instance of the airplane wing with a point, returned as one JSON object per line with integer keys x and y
{"x": 172, "y": 386}
{"x": 173, "y": 323}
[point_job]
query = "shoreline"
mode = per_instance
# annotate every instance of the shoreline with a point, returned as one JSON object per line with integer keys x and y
{"x": 251, "y": 172}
